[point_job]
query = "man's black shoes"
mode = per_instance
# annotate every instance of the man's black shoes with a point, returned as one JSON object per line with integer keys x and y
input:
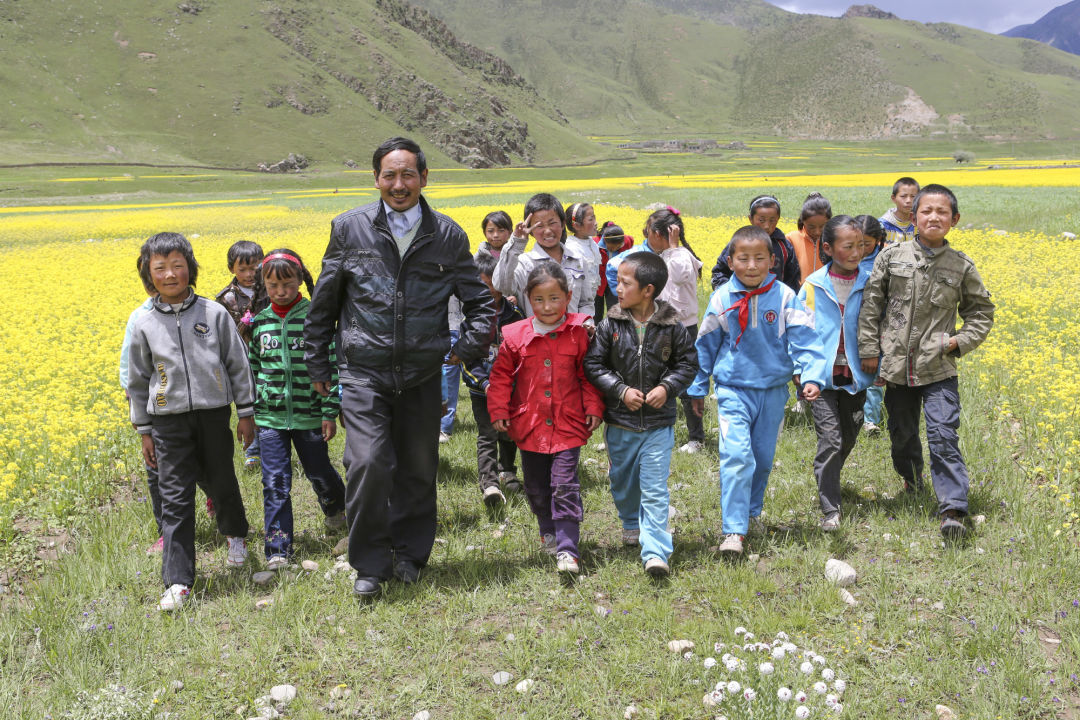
{"x": 366, "y": 588}
{"x": 406, "y": 571}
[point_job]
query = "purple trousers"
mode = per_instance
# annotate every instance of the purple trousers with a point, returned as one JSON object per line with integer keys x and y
{"x": 551, "y": 484}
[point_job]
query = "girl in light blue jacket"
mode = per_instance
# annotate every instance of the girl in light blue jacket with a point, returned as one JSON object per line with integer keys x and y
{"x": 834, "y": 295}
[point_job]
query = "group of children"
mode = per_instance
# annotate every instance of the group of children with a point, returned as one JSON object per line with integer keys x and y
{"x": 836, "y": 307}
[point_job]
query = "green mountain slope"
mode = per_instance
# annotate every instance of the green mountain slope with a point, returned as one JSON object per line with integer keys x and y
{"x": 723, "y": 66}
{"x": 238, "y": 82}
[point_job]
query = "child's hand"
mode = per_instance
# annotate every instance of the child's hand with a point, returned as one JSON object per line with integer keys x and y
{"x": 148, "y": 452}
{"x": 323, "y": 388}
{"x": 453, "y": 360}
{"x": 501, "y": 425}
{"x": 245, "y": 431}
{"x": 869, "y": 365}
{"x": 656, "y": 397}
{"x": 811, "y": 392}
{"x": 592, "y": 422}
{"x": 329, "y": 430}
{"x": 633, "y": 398}
{"x": 673, "y": 237}
{"x": 523, "y": 228}
{"x": 698, "y": 406}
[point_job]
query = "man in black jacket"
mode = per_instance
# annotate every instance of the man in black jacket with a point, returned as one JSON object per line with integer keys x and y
{"x": 387, "y": 275}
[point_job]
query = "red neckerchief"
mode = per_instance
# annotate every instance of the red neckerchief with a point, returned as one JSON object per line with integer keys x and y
{"x": 743, "y": 305}
{"x": 282, "y": 310}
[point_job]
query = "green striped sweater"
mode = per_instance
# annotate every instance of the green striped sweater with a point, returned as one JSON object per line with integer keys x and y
{"x": 284, "y": 396}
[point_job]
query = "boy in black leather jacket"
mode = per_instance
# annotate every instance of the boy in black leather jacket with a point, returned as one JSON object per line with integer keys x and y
{"x": 641, "y": 359}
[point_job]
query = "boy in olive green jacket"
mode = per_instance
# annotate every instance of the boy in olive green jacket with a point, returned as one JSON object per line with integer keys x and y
{"x": 908, "y": 320}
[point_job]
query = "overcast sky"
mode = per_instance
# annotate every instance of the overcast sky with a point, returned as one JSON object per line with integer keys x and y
{"x": 990, "y": 15}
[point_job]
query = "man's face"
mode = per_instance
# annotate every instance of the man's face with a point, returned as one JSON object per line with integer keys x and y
{"x": 399, "y": 181}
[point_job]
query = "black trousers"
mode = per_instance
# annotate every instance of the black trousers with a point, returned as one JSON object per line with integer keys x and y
{"x": 391, "y": 459}
{"x": 495, "y": 451}
{"x": 194, "y": 446}
{"x": 837, "y": 420}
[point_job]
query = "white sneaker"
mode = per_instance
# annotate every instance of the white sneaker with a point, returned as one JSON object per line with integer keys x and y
{"x": 567, "y": 563}
{"x": 548, "y": 543}
{"x": 174, "y": 598}
{"x": 831, "y": 522}
{"x": 444, "y": 438}
{"x": 871, "y": 429}
{"x": 600, "y": 446}
{"x": 631, "y": 537}
{"x": 799, "y": 407}
{"x": 276, "y": 562}
{"x": 335, "y": 522}
{"x": 657, "y": 567}
{"x": 493, "y": 496}
{"x": 237, "y": 551}
{"x": 692, "y": 447}
{"x": 732, "y": 545}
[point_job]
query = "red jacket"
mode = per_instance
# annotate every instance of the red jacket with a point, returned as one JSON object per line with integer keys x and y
{"x": 538, "y": 384}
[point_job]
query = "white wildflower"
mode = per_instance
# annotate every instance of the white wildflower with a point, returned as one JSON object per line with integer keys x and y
{"x": 800, "y": 696}
{"x": 806, "y": 668}
{"x": 838, "y": 708}
{"x": 766, "y": 668}
{"x": 819, "y": 660}
{"x": 784, "y": 694}
{"x": 830, "y": 700}
{"x": 840, "y": 686}
{"x": 778, "y": 653}
{"x": 749, "y": 694}
{"x": 711, "y": 662}
{"x": 820, "y": 688}
{"x": 733, "y": 687}
{"x": 748, "y": 636}
{"x": 740, "y": 630}
{"x": 717, "y": 647}
{"x": 828, "y": 675}
{"x": 782, "y": 635}
{"x": 802, "y": 712}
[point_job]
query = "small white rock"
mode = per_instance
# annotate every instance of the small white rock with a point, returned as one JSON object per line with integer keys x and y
{"x": 944, "y": 712}
{"x": 269, "y": 712}
{"x": 509, "y": 637}
{"x": 340, "y": 692}
{"x": 839, "y": 573}
{"x": 680, "y": 646}
{"x": 263, "y": 577}
{"x": 601, "y": 611}
{"x": 501, "y": 678}
{"x": 939, "y": 606}
{"x": 310, "y": 565}
{"x": 422, "y": 715}
{"x": 283, "y": 693}
{"x": 886, "y": 536}
{"x": 848, "y": 598}
{"x": 525, "y": 685}
{"x": 630, "y": 712}
{"x": 263, "y": 603}
{"x": 176, "y": 685}
{"x": 473, "y": 548}
{"x": 440, "y": 541}
{"x": 978, "y": 520}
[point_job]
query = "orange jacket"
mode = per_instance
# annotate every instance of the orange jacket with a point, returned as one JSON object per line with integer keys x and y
{"x": 806, "y": 252}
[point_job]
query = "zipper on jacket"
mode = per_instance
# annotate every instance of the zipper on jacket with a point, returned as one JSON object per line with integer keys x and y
{"x": 183, "y": 356}
{"x": 641, "y": 372}
{"x": 286, "y": 356}
{"x": 396, "y": 368}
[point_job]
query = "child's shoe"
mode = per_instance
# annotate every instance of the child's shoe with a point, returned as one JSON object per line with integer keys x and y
{"x": 510, "y": 482}
{"x": 631, "y": 537}
{"x": 174, "y": 598}
{"x": 157, "y": 547}
{"x": 831, "y": 522}
{"x": 252, "y": 463}
{"x": 567, "y": 563}
{"x": 952, "y": 525}
{"x": 732, "y": 545}
{"x": 493, "y": 497}
{"x": 693, "y": 447}
{"x": 210, "y": 511}
{"x": 871, "y": 429}
{"x": 548, "y": 543}
{"x": 444, "y": 438}
{"x": 276, "y": 562}
{"x": 657, "y": 567}
{"x": 334, "y": 523}
{"x": 237, "y": 551}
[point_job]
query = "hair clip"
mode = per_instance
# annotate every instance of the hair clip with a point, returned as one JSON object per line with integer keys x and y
{"x": 672, "y": 210}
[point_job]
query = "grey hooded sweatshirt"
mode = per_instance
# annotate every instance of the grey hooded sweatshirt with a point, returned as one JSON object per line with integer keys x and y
{"x": 190, "y": 359}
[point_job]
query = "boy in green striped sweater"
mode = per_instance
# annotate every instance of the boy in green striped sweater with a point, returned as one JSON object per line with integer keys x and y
{"x": 288, "y": 411}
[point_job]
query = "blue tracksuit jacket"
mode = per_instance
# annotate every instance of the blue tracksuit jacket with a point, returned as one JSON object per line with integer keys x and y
{"x": 818, "y": 295}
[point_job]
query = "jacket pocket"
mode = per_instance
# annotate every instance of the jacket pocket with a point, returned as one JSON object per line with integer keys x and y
{"x": 945, "y": 291}
{"x": 901, "y": 275}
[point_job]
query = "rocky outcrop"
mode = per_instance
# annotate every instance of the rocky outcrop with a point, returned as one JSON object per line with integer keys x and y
{"x": 869, "y": 11}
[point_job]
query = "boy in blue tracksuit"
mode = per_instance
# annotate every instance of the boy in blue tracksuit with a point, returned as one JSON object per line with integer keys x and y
{"x": 834, "y": 295}
{"x": 755, "y": 336}
{"x": 495, "y": 451}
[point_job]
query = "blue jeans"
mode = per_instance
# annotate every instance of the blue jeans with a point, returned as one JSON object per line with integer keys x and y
{"x": 750, "y": 422}
{"x": 277, "y": 482}
{"x": 252, "y": 450}
{"x": 872, "y": 407}
{"x": 940, "y": 404}
{"x": 451, "y": 383}
{"x": 640, "y": 465}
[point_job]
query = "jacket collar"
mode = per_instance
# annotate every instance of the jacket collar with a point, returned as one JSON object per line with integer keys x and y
{"x": 427, "y": 219}
{"x": 665, "y": 314}
{"x": 167, "y": 308}
{"x": 820, "y": 278}
{"x": 737, "y": 286}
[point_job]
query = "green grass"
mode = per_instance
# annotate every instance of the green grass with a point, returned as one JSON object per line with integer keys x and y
{"x": 1007, "y": 594}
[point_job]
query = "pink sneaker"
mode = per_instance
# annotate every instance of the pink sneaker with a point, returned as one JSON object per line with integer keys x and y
{"x": 157, "y": 547}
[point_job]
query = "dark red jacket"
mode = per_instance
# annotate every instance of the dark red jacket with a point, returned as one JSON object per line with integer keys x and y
{"x": 538, "y": 384}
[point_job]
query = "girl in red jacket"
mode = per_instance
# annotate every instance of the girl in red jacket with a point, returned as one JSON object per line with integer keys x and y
{"x": 538, "y": 393}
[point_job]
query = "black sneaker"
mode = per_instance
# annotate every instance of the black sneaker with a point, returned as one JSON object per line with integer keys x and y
{"x": 952, "y": 525}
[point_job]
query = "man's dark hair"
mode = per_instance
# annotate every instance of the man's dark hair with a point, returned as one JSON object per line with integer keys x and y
{"x": 165, "y": 244}
{"x": 398, "y": 143}
{"x": 649, "y": 269}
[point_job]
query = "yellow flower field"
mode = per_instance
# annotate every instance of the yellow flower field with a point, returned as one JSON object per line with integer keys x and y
{"x": 70, "y": 284}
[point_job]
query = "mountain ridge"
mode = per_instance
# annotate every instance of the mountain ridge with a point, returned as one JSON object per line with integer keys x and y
{"x": 1059, "y": 28}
